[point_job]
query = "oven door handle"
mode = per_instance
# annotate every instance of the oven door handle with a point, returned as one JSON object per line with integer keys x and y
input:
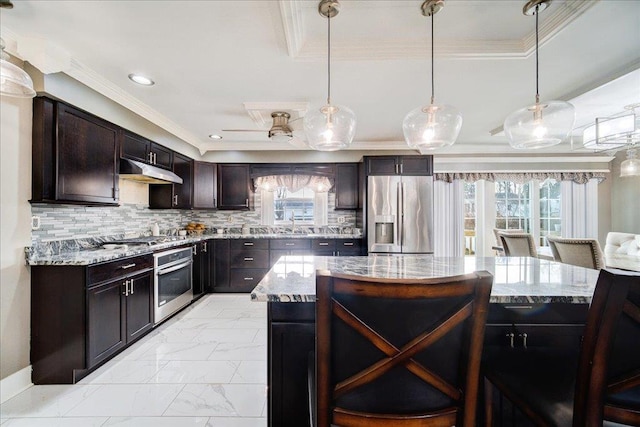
{"x": 174, "y": 268}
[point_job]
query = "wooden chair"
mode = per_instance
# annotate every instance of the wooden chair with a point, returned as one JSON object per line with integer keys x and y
{"x": 582, "y": 252}
{"x": 544, "y": 384}
{"x": 518, "y": 244}
{"x": 398, "y": 352}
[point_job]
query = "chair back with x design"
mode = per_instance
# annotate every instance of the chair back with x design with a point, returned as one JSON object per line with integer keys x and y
{"x": 402, "y": 352}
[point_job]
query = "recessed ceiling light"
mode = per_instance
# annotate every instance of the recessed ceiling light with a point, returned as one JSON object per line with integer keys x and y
{"x": 214, "y": 136}
{"x": 141, "y": 80}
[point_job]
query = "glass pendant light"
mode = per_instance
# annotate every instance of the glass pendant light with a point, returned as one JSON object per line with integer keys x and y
{"x": 631, "y": 166}
{"x": 434, "y": 126}
{"x": 330, "y": 127}
{"x": 14, "y": 81}
{"x": 542, "y": 124}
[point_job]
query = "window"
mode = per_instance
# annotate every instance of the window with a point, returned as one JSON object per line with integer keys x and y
{"x": 296, "y": 207}
{"x": 513, "y": 204}
{"x": 469, "y": 218}
{"x": 550, "y": 214}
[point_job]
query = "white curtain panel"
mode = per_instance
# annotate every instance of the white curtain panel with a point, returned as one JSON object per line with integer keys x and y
{"x": 294, "y": 183}
{"x": 448, "y": 221}
{"x": 580, "y": 209}
{"x": 266, "y": 207}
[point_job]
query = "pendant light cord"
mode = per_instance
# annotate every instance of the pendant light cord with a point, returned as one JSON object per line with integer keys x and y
{"x": 433, "y": 96}
{"x": 537, "y": 72}
{"x": 329, "y": 58}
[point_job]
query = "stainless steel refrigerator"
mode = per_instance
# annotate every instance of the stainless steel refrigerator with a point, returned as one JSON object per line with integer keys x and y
{"x": 400, "y": 214}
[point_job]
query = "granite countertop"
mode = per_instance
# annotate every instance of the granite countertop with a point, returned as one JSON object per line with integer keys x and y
{"x": 95, "y": 253}
{"x": 516, "y": 280}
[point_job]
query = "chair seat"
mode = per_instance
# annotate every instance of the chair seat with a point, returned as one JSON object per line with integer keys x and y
{"x": 536, "y": 379}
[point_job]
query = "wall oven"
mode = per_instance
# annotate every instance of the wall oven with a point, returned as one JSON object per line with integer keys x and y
{"x": 173, "y": 287}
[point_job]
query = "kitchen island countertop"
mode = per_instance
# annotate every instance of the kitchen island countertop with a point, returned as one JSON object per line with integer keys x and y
{"x": 516, "y": 280}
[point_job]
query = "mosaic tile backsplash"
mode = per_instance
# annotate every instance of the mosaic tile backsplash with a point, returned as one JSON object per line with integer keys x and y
{"x": 61, "y": 222}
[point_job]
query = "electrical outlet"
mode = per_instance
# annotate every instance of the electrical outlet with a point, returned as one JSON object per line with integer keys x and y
{"x": 341, "y": 220}
{"x": 35, "y": 222}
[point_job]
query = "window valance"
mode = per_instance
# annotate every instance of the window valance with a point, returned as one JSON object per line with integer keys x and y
{"x": 521, "y": 178}
{"x": 319, "y": 184}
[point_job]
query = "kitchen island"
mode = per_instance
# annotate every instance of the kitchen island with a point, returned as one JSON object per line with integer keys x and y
{"x": 533, "y": 303}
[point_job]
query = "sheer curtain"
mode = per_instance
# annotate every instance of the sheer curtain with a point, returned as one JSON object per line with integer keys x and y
{"x": 448, "y": 221}
{"x": 580, "y": 209}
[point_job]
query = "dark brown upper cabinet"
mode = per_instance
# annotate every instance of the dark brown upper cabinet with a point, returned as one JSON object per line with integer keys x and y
{"x": 205, "y": 189}
{"x": 136, "y": 147}
{"x": 346, "y": 185}
{"x": 174, "y": 196}
{"x": 75, "y": 156}
{"x": 399, "y": 165}
{"x": 234, "y": 187}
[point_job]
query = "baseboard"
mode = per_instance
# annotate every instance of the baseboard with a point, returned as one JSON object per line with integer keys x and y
{"x": 15, "y": 383}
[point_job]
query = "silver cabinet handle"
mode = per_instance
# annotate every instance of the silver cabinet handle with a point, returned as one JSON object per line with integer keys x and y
{"x": 131, "y": 285}
{"x": 348, "y": 243}
{"x": 511, "y": 337}
{"x": 248, "y": 259}
{"x": 155, "y": 158}
{"x": 323, "y": 244}
{"x": 524, "y": 339}
{"x": 401, "y": 169}
{"x": 248, "y": 243}
{"x": 150, "y": 157}
{"x": 246, "y": 202}
{"x": 204, "y": 246}
{"x": 289, "y": 244}
{"x": 248, "y": 278}
{"x": 126, "y": 288}
{"x": 175, "y": 268}
{"x": 194, "y": 249}
{"x": 124, "y": 267}
{"x": 175, "y": 200}
{"x": 519, "y": 307}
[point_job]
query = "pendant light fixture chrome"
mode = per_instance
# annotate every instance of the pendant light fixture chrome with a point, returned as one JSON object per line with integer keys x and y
{"x": 14, "y": 81}
{"x": 434, "y": 126}
{"x": 542, "y": 124}
{"x": 330, "y": 127}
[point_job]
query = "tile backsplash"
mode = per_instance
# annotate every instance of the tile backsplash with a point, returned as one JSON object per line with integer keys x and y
{"x": 60, "y": 222}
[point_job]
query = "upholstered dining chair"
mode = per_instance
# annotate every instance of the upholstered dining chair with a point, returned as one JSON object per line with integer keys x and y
{"x": 597, "y": 383}
{"x": 496, "y": 232}
{"x": 398, "y": 352}
{"x": 518, "y": 244}
{"x": 581, "y": 252}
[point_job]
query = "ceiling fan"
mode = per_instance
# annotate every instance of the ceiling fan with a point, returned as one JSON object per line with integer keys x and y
{"x": 280, "y": 131}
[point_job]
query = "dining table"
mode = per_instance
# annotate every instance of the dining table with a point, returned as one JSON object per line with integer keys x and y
{"x": 534, "y": 302}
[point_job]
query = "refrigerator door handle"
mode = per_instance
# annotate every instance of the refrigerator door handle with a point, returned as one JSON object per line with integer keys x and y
{"x": 401, "y": 215}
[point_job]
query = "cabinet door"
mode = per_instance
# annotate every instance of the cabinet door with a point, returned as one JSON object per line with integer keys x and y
{"x": 382, "y": 165}
{"x": 201, "y": 267}
{"x": 139, "y": 305}
{"x": 233, "y": 186}
{"x": 221, "y": 266}
{"x": 182, "y": 166}
{"x": 416, "y": 165}
{"x": 346, "y": 186}
{"x": 87, "y": 154}
{"x": 204, "y": 185}
{"x": 162, "y": 156}
{"x": 106, "y": 321}
{"x": 135, "y": 147}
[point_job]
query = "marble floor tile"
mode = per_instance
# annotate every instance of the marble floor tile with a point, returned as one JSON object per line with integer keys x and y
{"x": 251, "y": 372}
{"x": 197, "y": 372}
{"x": 244, "y": 323}
{"x": 226, "y": 335}
{"x": 56, "y": 422}
{"x": 125, "y": 400}
{"x": 157, "y": 422}
{"x": 239, "y": 351}
{"x": 175, "y": 335}
{"x": 191, "y": 324}
{"x": 237, "y": 422}
{"x": 46, "y": 401}
{"x": 178, "y": 351}
{"x": 239, "y": 313}
{"x": 261, "y": 336}
{"x": 126, "y": 372}
{"x": 226, "y": 400}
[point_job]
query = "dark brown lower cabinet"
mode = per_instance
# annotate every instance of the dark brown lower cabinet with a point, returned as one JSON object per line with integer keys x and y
{"x": 83, "y": 315}
{"x": 291, "y": 336}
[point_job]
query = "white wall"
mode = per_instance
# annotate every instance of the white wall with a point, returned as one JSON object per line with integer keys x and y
{"x": 15, "y": 233}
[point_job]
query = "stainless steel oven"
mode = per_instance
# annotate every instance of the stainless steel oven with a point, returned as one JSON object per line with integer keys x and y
{"x": 173, "y": 284}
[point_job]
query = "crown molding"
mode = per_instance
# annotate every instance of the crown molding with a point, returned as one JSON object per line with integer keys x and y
{"x": 374, "y": 49}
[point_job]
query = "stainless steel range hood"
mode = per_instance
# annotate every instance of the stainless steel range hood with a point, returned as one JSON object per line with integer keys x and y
{"x": 142, "y": 172}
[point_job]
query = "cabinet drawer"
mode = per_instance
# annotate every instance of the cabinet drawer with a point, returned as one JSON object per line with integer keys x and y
{"x": 249, "y": 244}
{"x": 123, "y": 267}
{"x": 537, "y": 313}
{"x": 290, "y": 244}
{"x": 349, "y": 245}
{"x": 323, "y": 245}
{"x": 249, "y": 258}
{"x": 247, "y": 277}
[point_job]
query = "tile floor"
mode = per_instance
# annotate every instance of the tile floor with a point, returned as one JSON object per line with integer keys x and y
{"x": 206, "y": 367}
